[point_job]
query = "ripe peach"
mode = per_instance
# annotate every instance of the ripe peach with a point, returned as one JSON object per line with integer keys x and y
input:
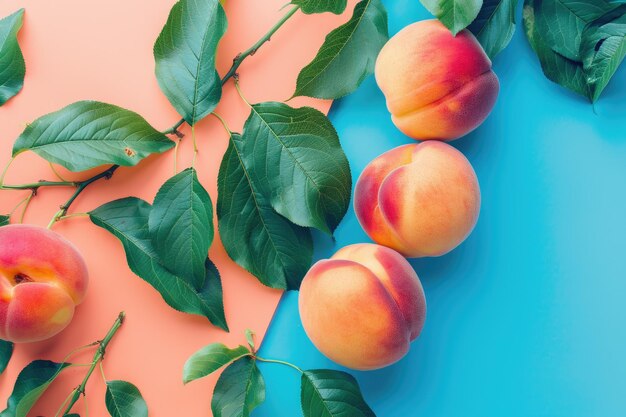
{"x": 437, "y": 86}
{"x": 420, "y": 199}
{"x": 362, "y": 307}
{"x": 42, "y": 278}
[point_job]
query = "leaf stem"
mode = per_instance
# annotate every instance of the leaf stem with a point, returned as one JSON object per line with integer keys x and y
{"x": 104, "y": 378}
{"x": 241, "y": 93}
{"x": 26, "y": 203}
{"x": 18, "y": 205}
{"x": 63, "y": 404}
{"x": 69, "y": 216}
{"x": 223, "y": 122}
{"x": 80, "y": 187}
{"x": 176, "y": 156}
{"x": 5, "y": 170}
{"x": 238, "y": 60}
{"x": 56, "y": 173}
{"x": 99, "y": 355}
{"x": 291, "y": 365}
{"x": 195, "y": 146}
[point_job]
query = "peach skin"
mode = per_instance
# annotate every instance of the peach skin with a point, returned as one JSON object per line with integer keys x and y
{"x": 42, "y": 278}
{"x": 420, "y": 199}
{"x": 362, "y": 307}
{"x": 437, "y": 86}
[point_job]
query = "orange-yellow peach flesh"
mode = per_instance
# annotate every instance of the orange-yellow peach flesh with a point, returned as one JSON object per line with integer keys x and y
{"x": 420, "y": 199}
{"x": 437, "y": 86}
{"x": 42, "y": 278}
{"x": 362, "y": 307}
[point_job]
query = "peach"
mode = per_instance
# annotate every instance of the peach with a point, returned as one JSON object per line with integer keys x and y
{"x": 437, "y": 86}
{"x": 419, "y": 199}
{"x": 42, "y": 278}
{"x": 362, "y": 307}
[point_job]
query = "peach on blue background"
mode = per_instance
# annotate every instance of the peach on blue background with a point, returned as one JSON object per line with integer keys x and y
{"x": 526, "y": 317}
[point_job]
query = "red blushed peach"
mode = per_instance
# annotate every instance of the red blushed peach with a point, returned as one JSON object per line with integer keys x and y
{"x": 420, "y": 199}
{"x": 362, "y": 307}
{"x": 42, "y": 278}
{"x": 437, "y": 86}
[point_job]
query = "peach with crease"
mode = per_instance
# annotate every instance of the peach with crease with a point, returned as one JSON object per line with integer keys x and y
{"x": 419, "y": 199}
{"x": 362, "y": 307}
{"x": 437, "y": 86}
{"x": 42, "y": 278}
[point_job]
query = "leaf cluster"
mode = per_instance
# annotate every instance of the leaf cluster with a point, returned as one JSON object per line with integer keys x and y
{"x": 491, "y": 21}
{"x": 241, "y": 387}
{"x": 580, "y": 44}
{"x": 122, "y": 398}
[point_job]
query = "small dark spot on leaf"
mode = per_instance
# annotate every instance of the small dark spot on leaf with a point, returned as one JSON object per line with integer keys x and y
{"x": 130, "y": 152}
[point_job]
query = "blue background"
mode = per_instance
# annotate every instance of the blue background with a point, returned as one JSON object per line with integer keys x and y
{"x": 528, "y": 317}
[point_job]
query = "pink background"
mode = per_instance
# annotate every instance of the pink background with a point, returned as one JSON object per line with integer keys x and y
{"x": 76, "y": 50}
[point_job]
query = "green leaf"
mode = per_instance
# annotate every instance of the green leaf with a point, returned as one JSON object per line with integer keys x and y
{"x": 181, "y": 226}
{"x": 123, "y": 399}
{"x": 185, "y": 57}
{"x": 209, "y": 359}
{"x": 31, "y": 383}
{"x": 239, "y": 390}
{"x": 556, "y": 67}
{"x": 321, "y": 6}
{"x": 87, "y": 134}
{"x": 294, "y": 157}
{"x": 348, "y": 54}
{"x": 560, "y": 23}
{"x": 250, "y": 338}
{"x": 456, "y": 15}
{"x": 257, "y": 238}
{"x": 4, "y": 219}
{"x": 6, "y": 351}
{"x": 71, "y": 415}
{"x": 212, "y": 296}
{"x": 11, "y": 58}
{"x": 495, "y": 25}
{"x": 327, "y": 393}
{"x": 603, "y": 49}
{"x": 127, "y": 219}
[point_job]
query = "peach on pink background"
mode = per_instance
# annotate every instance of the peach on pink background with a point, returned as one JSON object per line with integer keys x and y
{"x": 437, "y": 86}
{"x": 419, "y": 199}
{"x": 362, "y": 307}
{"x": 117, "y": 66}
{"x": 42, "y": 278}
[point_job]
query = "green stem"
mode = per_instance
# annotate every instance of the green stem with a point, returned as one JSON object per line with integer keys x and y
{"x": 5, "y": 170}
{"x": 223, "y": 122}
{"x": 55, "y": 172}
{"x": 291, "y": 365}
{"x": 195, "y": 147}
{"x": 174, "y": 129}
{"x": 241, "y": 94}
{"x": 254, "y": 48}
{"x": 26, "y": 204}
{"x": 34, "y": 186}
{"x": 242, "y": 56}
{"x": 80, "y": 187}
{"x": 63, "y": 404}
{"x": 99, "y": 355}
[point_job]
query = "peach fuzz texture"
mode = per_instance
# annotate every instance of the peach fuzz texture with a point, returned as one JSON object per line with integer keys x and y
{"x": 103, "y": 51}
{"x": 363, "y": 307}
{"x": 42, "y": 278}
{"x": 437, "y": 86}
{"x": 419, "y": 199}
